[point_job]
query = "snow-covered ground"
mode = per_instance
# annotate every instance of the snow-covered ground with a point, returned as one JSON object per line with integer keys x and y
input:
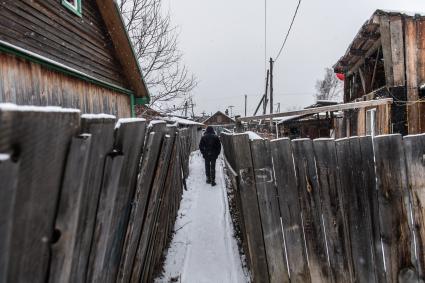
{"x": 203, "y": 248}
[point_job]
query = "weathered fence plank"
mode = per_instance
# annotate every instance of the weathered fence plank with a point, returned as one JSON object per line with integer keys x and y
{"x": 115, "y": 202}
{"x": 332, "y": 209}
{"x": 101, "y": 129}
{"x": 393, "y": 207}
{"x": 250, "y": 209}
{"x": 9, "y": 182}
{"x": 370, "y": 190}
{"x": 286, "y": 182}
{"x": 356, "y": 210}
{"x": 138, "y": 210}
{"x": 67, "y": 224}
{"x": 308, "y": 190}
{"x": 40, "y": 141}
{"x": 414, "y": 147}
{"x": 269, "y": 210}
{"x": 153, "y": 201}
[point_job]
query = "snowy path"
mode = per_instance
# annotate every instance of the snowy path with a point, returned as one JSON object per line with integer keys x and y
{"x": 203, "y": 248}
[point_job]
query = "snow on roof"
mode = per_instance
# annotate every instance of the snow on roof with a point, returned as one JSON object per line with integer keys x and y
{"x": 283, "y": 119}
{"x": 98, "y": 116}
{"x": 31, "y": 108}
{"x": 128, "y": 120}
{"x": 407, "y": 13}
{"x": 182, "y": 121}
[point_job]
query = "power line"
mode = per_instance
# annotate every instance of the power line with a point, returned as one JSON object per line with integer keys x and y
{"x": 265, "y": 36}
{"x": 289, "y": 30}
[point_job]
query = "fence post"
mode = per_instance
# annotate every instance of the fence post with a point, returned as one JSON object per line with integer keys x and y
{"x": 269, "y": 210}
{"x": 289, "y": 202}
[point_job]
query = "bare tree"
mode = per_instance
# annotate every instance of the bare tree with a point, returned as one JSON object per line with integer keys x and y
{"x": 155, "y": 43}
{"x": 330, "y": 88}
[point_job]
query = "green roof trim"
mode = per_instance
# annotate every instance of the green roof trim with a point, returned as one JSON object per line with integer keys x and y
{"x": 56, "y": 66}
{"x": 142, "y": 100}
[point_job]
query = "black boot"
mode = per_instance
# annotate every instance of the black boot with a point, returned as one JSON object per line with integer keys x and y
{"x": 213, "y": 183}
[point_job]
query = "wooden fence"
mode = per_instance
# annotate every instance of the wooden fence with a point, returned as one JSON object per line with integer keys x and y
{"x": 350, "y": 210}
{"x": 86, "y": 199}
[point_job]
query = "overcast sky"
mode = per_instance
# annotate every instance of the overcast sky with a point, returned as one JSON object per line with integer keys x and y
{"x": 223, "y": 45}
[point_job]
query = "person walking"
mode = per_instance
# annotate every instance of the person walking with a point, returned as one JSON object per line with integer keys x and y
{"x": 210, "y": 147}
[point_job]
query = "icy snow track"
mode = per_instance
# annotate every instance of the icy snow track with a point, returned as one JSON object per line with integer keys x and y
{"x": 203, "y": 248}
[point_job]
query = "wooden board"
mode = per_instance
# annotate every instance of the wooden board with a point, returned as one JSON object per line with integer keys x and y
{"x": 102, "y": 132}
{"x": 39, "y": 141}
{"x": 115, "y": 202}
{"x": 308, "y": 190}
{"x": 332, "y": 209}
{"x": 67, "y": 224}
{"x": 286, "y": 183}
{"x": 393, "y": 207}
{"x": 397, "y": 48}
{"x": 138, "y": 210}
{"x": 384, "y": 30}
{"x": 414, "y": 147}
{"x": 269, "y": 210}
{"x": 412, "y": 75}
{"x": 355, "y": 203}
{"x": 157, "y": 186}
{"x": 9, "y": 180}
{"x": 250, "y": 209}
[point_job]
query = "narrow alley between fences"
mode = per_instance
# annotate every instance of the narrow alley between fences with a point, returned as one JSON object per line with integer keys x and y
{"x": 203, "y": 248}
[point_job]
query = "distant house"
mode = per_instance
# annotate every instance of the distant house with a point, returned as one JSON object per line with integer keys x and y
{"x": 70, "y": 53}
{"x": 386, "y": 59}
{"x": 219, "y": 119}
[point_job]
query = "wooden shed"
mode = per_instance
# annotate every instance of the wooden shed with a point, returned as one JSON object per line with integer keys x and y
{"x": 386, "y": 59}
{"x": 69, "y": 53}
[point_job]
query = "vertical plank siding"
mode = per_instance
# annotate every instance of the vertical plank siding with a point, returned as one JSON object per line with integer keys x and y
{"x": 75, "y": 192}
{"x": 351, "y": 210}
{"x": 26, "y": 83}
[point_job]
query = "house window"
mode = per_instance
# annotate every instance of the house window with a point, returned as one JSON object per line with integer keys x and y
{"x": 370, "y": 122}
{"x": 73, "y": 5}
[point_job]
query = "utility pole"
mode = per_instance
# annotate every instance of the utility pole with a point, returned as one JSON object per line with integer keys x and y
{"x": 265, "y": 100}
{"x": 278, "y": 107}
{"x": 246, "y": 98}
{"x": 271, "y": 91}
{"x": 192, "y": 104}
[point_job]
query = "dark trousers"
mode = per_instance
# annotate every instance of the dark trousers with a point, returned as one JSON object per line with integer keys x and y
{"x": 210, "y": 169}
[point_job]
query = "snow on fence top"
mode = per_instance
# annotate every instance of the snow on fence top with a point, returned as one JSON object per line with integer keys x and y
{"x": 98, "y": 116}
{"x": 128, "y": 120}
{"x": 182, "y": 121}
{"x": 31, "y": 108}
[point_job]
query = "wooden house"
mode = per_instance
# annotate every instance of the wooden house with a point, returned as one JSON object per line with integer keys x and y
{"x": 386, "y": 59}
{"x": 219, "y": 119}
{"x": 69, "y": 53}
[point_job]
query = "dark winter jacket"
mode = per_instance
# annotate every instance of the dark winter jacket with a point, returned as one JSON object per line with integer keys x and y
{"x": 210, "y": 145}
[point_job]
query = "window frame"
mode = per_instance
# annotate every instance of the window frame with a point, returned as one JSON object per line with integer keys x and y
{"x": 75, "y": 9}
